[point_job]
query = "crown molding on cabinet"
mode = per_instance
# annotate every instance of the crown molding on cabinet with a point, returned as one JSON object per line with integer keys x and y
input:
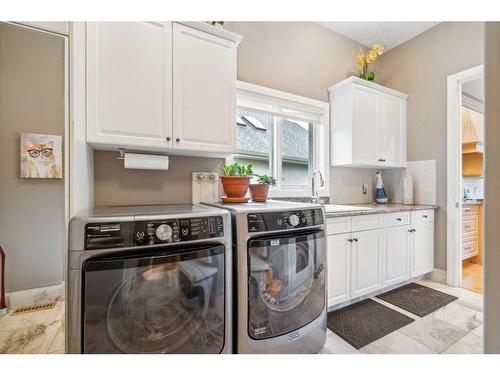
{"x": 370, "y": 84}
{"x": 205, "y": 27}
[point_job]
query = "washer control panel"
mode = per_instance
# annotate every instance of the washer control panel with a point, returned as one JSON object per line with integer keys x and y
{"x": 178, "y": 230}
{"x": 272, "y": 221}
{"x": 151, "y": 232}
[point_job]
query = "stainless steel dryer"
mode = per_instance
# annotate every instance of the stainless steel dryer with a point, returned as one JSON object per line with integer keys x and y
{"x": 280, "y": 272}
{"x": 150, "y": 279}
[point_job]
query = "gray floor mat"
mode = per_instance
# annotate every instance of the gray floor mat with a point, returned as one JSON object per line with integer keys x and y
{"x": 417, "y": 299}
{"x": 366, "y": 321}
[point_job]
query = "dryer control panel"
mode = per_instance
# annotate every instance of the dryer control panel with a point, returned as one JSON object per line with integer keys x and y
{"x": 152, "y": 232}
{"x": 275, "y": 221}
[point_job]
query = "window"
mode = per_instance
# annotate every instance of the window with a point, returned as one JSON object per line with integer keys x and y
{"x": 282, "y": 135}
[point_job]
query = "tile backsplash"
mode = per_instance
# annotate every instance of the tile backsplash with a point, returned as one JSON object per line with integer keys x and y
{"x": 475, "y": 187}
{"x": 346, "y": 183}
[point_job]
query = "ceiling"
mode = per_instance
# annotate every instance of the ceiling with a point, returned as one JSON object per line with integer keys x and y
{"x": 474, "y": 88}
{"x": 390, "y": 34}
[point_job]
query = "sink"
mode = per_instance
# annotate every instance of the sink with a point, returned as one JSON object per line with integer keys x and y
{"x": 345, "y": 207}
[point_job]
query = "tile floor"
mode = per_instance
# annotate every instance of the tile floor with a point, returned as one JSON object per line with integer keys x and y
{"x": 472, "y": 276}
{"x": 453, "y": 329}
{"x": 456, "y": 328}
{"x": 33, "y": 333}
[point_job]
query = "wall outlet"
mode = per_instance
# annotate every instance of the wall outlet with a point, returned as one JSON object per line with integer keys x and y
{"x": 365, "y": 189}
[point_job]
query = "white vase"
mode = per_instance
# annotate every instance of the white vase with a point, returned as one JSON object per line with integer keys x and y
{"x": 407, "y": 188}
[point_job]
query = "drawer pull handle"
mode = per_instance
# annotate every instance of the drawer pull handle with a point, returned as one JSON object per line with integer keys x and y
{"x": 412, "y": 230}
{"x": 355, "y": 239}
{"x": 425, "y": 216}
{"x": 467, "y": 227}
{"x": 399, "y": 219}
{"x": 350, "y": 240}
{"x": 168, "y": 138}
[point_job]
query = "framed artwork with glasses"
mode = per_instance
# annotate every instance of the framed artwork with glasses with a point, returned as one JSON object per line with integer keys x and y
{"x": 41, "y": 156}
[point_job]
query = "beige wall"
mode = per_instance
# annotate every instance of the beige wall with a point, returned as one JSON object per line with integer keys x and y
{"x": 115, "y": 185}
{"x": 420, "y": 68}
{"x": 492, "y": 187}
{"x": 31, "y": 210}
{"x": 298, "y": 57}
{"x": 302, "y": 58}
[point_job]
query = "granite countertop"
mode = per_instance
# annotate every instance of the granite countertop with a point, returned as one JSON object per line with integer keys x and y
{"x": 472, "y": 202}
{"x": 339, "y": 210}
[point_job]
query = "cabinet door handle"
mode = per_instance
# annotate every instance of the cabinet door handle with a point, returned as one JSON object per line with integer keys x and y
{"x": 349, "y": 239}
{"x": 399, "y": 219}
{"x": 382, "y": 160}
{"x": 177, "y": 139}
{"x": 168, "y": 138}
{"x": 412, "y": 230}
{"x": 425, "y": 216}
{"x": 355, "y": 239}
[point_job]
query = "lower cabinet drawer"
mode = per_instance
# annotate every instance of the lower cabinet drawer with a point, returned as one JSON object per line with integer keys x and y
{"x": 469, "y": 226}
{"x": 469, "y": 247}
{"x": 468, "y": 211}
{"x": 422, "y": 216}
{"x": 366, "y": 222}
{"x": 337, "y": 225}
{"x": 396, "y": 219}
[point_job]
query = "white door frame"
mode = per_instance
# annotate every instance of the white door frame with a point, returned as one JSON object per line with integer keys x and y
{"x": 454, "y": 175}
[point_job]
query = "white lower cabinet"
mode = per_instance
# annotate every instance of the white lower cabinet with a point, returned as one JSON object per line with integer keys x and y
{"x": 422, "y": 248}
{"x": 366, "y": 262}
{"x": 395, "y": 249}
{"x": 396, "y": 255}
{"x": 339, "y": 263}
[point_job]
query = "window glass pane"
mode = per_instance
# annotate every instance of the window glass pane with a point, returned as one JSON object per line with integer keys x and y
{"x": 254, "y": 141}
{"x": 297, "y": 152}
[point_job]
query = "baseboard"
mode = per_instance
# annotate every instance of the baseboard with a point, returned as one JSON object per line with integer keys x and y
{"x": 36, "y": 296}
{"x": 438, "y": 276}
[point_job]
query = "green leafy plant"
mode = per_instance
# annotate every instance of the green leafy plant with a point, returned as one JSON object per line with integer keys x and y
{"x": 236, "y": 169}
{"x": 265, "y": 179}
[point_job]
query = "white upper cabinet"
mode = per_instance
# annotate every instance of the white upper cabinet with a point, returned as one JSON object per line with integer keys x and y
{"x": 129, "y": 85}
{"x": 161, "y": 87}
{"x": 368, "y": 125}
{"x": 204, "y": 87}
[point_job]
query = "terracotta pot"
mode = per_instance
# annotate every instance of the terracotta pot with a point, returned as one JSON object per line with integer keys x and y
{"x": 259, "y": 192}
{"x": 235, "y": 186}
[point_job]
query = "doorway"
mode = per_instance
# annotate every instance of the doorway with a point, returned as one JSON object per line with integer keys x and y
{"x": 465, "y": 204}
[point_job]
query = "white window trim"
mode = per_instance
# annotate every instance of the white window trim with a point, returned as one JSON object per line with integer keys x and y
{"x": 321, "y": 152}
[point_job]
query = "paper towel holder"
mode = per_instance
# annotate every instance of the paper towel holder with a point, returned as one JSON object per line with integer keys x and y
{"x": 143, "y": 160}
{"x": 122, "y": 152}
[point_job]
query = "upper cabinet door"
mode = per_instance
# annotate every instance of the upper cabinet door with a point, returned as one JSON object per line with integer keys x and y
{"x": 204, "y": 86}
{"x": 393, "y": 130}
{"x": 365, "y": 129}
{"x": 129, "y": 85}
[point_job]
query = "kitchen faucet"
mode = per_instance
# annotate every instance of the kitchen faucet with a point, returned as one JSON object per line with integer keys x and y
{"x": 314, "y": 195}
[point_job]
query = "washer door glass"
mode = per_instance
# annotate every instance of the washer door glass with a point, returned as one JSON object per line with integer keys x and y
{"x": 286, "y": 287}
{"x": 155, "y": 303}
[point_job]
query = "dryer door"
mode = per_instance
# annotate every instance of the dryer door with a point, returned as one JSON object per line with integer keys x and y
{"x": 155, "y": 302}
{"x": 286, "y": 287}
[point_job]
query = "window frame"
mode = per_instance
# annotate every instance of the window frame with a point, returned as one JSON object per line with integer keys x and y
{"x": 321, "y": 136}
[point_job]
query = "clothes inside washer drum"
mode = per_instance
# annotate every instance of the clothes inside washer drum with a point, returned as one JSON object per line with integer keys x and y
{"x": 158, "y": 310}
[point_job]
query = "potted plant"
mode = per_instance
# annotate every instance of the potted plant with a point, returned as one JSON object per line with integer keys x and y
{"x": 260, "y": 190}
{"x": 364, "y": 59}
{"x": 235, "y": 180}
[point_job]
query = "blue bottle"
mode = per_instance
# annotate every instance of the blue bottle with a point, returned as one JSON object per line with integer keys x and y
{"x": 380, "y": 194}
